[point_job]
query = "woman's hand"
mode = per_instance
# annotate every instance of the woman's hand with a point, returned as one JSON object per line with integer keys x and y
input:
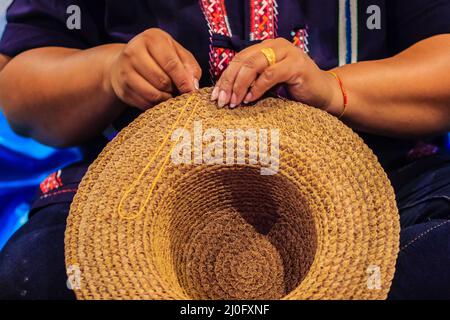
{"x": 152, "y": 68}
{"x": 249, "y": 76}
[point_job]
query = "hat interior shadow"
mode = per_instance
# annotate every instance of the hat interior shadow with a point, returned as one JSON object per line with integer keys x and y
{"x": 237, "y": 234}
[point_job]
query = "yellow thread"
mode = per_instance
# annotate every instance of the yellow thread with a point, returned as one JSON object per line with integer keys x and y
{"x": 120, "y": 210}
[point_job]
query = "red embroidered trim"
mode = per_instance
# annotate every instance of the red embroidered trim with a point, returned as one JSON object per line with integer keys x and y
{"x": 57, "y": 193}
{"x": 216, "y": 16}
{"x": 52, "y": 182}
{"x": 301, "y": 39}
{"x": 263, "y": 19}
{"x": 264, "y": 24}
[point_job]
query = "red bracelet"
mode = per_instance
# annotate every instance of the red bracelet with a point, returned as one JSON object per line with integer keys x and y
{"x": 344, "y": 93}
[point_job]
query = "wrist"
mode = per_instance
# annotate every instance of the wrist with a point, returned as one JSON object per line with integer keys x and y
{"x": 113, "y": 52}
{"x": 338, "y": 102}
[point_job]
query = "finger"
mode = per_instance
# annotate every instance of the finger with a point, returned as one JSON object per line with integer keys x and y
{"x": 165, "y": 54}
{"x": 190, "y": 63}
{"x": 131, "y": 98}
{"x": 249, "y": 72}
{"x": 134, "y": 100}
{"x": 279, "y": 73}
{"x": 136, "y": 85}
{"x": 152, "y": 72}
{"x": 237, "y": 81}
{"x": 224, "y": 87}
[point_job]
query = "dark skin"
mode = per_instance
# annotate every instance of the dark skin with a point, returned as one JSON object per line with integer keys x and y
{"x": 69, "y": 96}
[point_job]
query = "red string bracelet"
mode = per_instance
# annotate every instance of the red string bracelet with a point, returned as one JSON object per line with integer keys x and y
{"x": 344, "y": 93}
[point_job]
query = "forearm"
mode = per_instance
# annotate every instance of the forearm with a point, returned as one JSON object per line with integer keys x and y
{"x": 3, "y": 61}
{"x": 404, "y": 96}
{"x": 59, "y": 96}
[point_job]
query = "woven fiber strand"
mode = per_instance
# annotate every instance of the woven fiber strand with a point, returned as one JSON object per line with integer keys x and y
{"x": 318, "y": 229}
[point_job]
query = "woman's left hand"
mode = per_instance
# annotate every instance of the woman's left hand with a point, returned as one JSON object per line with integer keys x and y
{"x": 249, "y": 76}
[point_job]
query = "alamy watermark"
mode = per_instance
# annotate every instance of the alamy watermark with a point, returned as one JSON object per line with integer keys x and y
{"x": 229, "y": 147}
{"x": 73, "y": 21}
{"x": 374, "y": 19}
{"x": 373, "y": 277}
{"x": 73, "y": 277}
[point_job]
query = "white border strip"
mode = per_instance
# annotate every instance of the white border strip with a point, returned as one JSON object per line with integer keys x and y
{"x": 342, "y": 45}
{"x": 354, "y": 18}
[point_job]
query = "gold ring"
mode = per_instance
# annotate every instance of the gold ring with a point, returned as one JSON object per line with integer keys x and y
{"x": 270, "y": 55}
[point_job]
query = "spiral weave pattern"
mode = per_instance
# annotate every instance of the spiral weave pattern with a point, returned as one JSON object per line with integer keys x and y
{"x": 324, "y": 227}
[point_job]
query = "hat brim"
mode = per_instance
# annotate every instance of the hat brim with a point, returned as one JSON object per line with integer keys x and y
{"x": 129, "y": 244}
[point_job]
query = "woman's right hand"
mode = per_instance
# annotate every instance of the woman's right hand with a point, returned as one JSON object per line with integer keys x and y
{"x": 150, "y": 69}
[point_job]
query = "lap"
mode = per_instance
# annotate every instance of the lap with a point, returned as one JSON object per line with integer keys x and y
{"x": 32, "y": 263}
{"x": 423, "y": 197}
{"x": 423, "y": 190}
{"x": 422, "y": 264}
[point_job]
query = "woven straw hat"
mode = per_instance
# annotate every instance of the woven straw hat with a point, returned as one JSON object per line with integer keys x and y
{"x": 322, "y": 225}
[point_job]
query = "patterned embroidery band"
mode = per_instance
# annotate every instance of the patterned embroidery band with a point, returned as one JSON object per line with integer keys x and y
{"x": 263, "y": 26}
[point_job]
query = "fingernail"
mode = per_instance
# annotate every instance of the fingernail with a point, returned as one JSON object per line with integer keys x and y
{"x": 233, "y": 102}
{"x": 196, "y": 84}
{"x": 222, "y": 98}
{"x": 248, "y": 98}
{"x": 215, "y": 94}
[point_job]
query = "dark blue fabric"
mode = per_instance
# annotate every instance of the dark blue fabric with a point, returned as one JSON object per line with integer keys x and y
{"x": 32, "y": 264}
{"x": 423, "y": 195}
{"x": 423, "y": 263}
